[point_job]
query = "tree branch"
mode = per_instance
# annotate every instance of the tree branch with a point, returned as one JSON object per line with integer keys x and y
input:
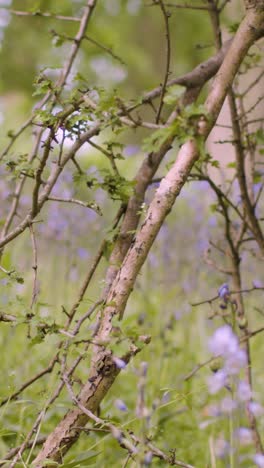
{"x": 100, "y": 381}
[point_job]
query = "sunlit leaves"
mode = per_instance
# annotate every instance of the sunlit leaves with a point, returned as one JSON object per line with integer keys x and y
{"x": 173, "y": 94}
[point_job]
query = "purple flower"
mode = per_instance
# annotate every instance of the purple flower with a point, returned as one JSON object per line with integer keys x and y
{"x": 213, "y": 411}
{"x": 244, "y": 435}
{"x": 131, "y": 150}
{"x": 165, "y": 397}
{"x": 235, "y": 362}
{"x": 228, "y": 405}
{"x": 223, "y": 291}
{"x": 148, "y": 458}
{"x": 83, "y": 253}
{"x": 221, "y": 447}
{"x": 212, "y": 221}
{"x": 74, "y": 274}
{"x": 259, "y": 460}
{"x": 223, "y": 341}
{"x": 120, "y": 364}
{"x": 120, "y": 405}
{"x": 257, "y": 283}
{"x": 257, "y": 187}
{"x": 244, "y": 392}
{"x": 255, "y": 408}
{"x": 217, "y": 381}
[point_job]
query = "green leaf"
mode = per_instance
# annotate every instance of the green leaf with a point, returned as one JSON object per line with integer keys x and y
{"x": 84, "y": 459}
{"x": 215, "y": 163}
{"x": 42, "y": 85}
{"x": 108, "y": 249}
{"x": 233, "y": 27}
{"x": 58, "y": 40}
{"x": 80, "y": 77}
{"x": 257, "y": 177}
{"x": 117, "y": 186}
{"x": 155, "y": 141}
{"x": 195, "y": 110}
{"x": 173, "y": 94}
{"x": 214, "y": 207}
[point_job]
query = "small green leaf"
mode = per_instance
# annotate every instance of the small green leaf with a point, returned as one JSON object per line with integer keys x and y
{"x": 173, "y": 94}
{"x": 257, "y": 177}
{"x": 84, "y": 459}
{"x": 213, "y": 207}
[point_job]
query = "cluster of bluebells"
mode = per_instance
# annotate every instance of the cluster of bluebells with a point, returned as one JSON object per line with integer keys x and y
{"x": 224, "y": 344}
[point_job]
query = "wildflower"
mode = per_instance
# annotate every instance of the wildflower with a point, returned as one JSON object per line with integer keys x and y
{"x": 257, "y": 284}
{"x": 131, "y": 150}
{"x": 259, "y": 460}
{"x": 212, "y": 410}
{"x": 244, "y": 436}
{"x": 165, "y": 397}
{"x": 228, "y": 405}
{"x": 224, "y": 292}
{"x": 221, "y": 447}
{"x": 223, "y": 341}
{"x": 120, "y": 405}
{"x": 217, "y": 381}
{"x": 255, "y": 408}
{"x": 235, "y": 362}
{"x": 120, "y": 364}
{"x": 82, "y": 253}
{"x": 148, "y": 458}
{"x": 244, "y": 392}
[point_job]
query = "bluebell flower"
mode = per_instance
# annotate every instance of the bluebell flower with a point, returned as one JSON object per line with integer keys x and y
{"x": 244, "y": 435}
{"x": 228, "y": 405}
{"x": 120, "y": 405}
{"x": 148, "y": 458}
{"x": 223, "y": 341}
{"x": 255, "y": 408}
{"x": 83, "y": 253}
{"x": 217, "y": 381}
{"x": 119, "y": 362}
{"x": 221, "y": 447}
{"x": 257, "y": 283}
{"x": 212, "y": 410}
{"x": 224, "y": 291}
{"x": 131, "y": 150}
{"x": 259, "y": 460}
{"x": 244, "y": 392}
{"x": 235, "y": 362}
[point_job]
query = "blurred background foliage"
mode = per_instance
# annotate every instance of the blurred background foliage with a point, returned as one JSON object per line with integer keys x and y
{"x": 174, "y": 275}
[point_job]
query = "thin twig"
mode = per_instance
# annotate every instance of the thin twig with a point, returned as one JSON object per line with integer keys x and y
{"x": 93, "y": 206}
{"x": 34, "y": 266}
{"x": 39, "y": 14}
{"x": 27, "y": 384}
{"x": 166, "y": 16}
